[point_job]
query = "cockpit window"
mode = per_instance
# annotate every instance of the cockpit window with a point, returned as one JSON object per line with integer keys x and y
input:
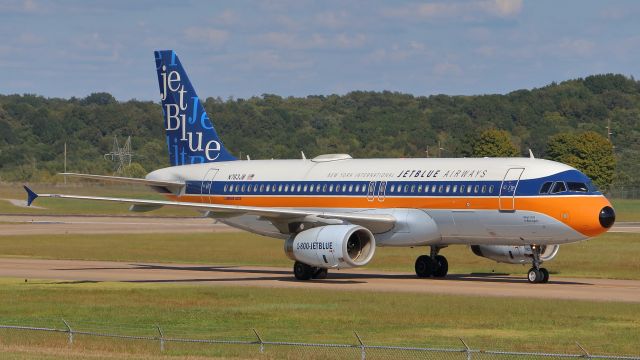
{"x": 558, "y": 187}
{"x": 545, "y": 187}
{"x": 577, "y": 186}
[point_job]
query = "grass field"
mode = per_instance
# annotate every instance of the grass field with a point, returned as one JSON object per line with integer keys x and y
{"x": 626, "y": 209}
{"x": 614, "y": 255}
{"x": 320, "y": 316}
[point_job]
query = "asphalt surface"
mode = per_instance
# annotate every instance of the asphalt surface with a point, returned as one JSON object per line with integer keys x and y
{"x": 74, "y": 271}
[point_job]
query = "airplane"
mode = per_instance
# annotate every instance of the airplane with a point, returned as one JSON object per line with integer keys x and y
{"x": 332, "y": 211}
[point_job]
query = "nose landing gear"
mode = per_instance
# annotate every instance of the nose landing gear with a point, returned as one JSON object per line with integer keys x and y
{"x": 537, "y": 274}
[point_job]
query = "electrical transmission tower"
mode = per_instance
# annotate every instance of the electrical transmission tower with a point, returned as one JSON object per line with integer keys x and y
{"x": 121, "y": 156}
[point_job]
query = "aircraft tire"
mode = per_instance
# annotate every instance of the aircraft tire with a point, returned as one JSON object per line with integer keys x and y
{"x": 320, "y": 273}
{"x": 545, "y": 275}
{"x": 424, "y": 266}
{"x": 534, "y": 276}
{"x": 441, "y": 266}
{"x": 302, "y": 271}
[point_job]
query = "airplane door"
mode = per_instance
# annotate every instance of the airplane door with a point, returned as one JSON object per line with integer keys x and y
{"x": 382, "y": 190}
{"x": 371, "y": 192}
{"x": 507, "y": 199}
{"x": 206, "y": 189}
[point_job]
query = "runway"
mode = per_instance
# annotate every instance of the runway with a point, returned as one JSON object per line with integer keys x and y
{"x": 75, "y": 271}
{"x": 74, "y": 224}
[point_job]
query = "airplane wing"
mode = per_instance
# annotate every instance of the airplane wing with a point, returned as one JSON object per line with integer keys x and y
{"x": 172, "y": 186}
{"x": 282, "y": 218}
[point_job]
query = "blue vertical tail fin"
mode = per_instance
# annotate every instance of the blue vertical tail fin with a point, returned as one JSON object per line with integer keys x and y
{"x": 191, "y": 137}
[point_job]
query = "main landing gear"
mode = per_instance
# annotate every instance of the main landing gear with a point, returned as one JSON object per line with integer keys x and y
{"x": 537, "y": 274}
{"x": 432, "y": 265}
{"x": 303, "y": 271}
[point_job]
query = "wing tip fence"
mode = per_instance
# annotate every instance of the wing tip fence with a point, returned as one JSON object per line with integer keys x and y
{"x": 359, "y": 344}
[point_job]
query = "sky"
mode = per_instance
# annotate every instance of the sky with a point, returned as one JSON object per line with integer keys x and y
{"x": 239, "y": 49}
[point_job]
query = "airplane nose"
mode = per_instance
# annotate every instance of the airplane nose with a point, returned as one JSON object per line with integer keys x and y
{"x": 607, "y": 217}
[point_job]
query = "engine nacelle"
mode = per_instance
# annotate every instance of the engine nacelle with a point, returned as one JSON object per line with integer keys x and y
{"x": 514, "y": 254}
{"x": 332, "y": 246}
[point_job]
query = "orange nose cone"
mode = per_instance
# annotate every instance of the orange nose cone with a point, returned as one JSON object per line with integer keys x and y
{"x": 594, "y": 216}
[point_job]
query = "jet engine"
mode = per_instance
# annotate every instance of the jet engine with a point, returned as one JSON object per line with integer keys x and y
{"x": 514, "y": 254}
{"x": 332, "y": 246}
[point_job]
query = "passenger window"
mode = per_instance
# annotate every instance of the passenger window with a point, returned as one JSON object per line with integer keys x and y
{"x": 357, "y": 188}
{"x": 461, "y": 189}
{"x": 286, "y": 188}
{"x": 545, "y": 187}
{"x": 304, "y": 188}
{"x": 413, "y": 188}
{"x": 475, "y": 189}
{"x": 226, "y": 187}
{"x": 433, "y": 188}
{"x": 324, "y": 188}
{"x": 280, "y": 188}
{"x": 558, "y": 187}
{"x": 577, "y": 186}
{"x": 484, "y": 189}
{"x": 299, "y": 187}
{"x": 419, "y": 188}
{"x": 392, "y": 188}
{"x": 448, "y": 188}
{"x": 331, "y": 188}
{"x": 268, "y": 187}
{"x": 351, "y": 188}
{"x": 243, "y": 188}
{"x": 455, "y": 189}
{"x": 469, "y": 188}
{"x": 440, "y": 188}
{"x": 491, "y": 189}
{"x": 261, "y": 187}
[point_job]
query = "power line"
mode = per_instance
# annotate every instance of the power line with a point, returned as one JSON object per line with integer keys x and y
{"x": 121, "y": 156}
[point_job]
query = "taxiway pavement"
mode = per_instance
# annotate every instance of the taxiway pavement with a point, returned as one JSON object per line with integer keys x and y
{"x": 71, "y": 271}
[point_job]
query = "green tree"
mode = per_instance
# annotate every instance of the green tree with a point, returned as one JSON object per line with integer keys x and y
{"x": 134, "y": 170}
{"x": 588, "y": 152}
{"x": 494, "y": 143}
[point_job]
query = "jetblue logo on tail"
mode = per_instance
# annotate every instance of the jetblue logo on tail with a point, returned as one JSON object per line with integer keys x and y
{"x": 191, "y": 137}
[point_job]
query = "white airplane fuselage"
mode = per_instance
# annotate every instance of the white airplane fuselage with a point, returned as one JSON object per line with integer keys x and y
{"x": 436, "y": 201}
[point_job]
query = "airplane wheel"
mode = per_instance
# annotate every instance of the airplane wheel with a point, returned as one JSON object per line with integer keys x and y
{"x": 442, "y": 266}
{"x": 424, "y": 266}
{"x": 320, "y": 273}
{"x": 302, "y": 271}
{"x": 535, "y": 276}
{"x": 545, "y": 275}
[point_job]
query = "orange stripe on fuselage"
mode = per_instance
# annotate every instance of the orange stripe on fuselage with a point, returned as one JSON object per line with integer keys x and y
{"x": 579, "y": 212}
